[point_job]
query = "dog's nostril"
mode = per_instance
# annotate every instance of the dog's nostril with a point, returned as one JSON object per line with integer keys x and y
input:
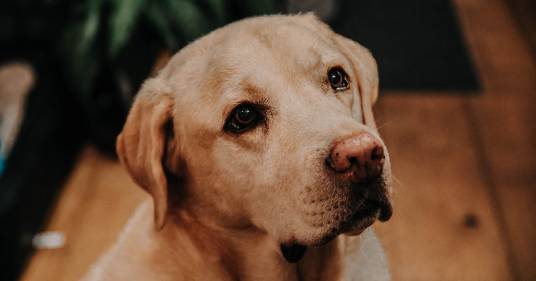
{"x": 353, "y": 161}
{"x": 377, "y": 153}
{"x": 328, "y": 162}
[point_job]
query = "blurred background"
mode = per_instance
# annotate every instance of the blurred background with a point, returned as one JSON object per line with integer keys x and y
{"x": 457, "y": 110}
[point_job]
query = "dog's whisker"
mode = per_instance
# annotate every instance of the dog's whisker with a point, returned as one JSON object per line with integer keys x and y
{"x": 398, "y": 182}
{"x": 381, "y": 126}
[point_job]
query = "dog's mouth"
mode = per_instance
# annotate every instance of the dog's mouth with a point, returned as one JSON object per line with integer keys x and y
{"x": 370, "y": 203}
{"x": 366, "y": 215}
{"x": 373, "y": 205}
{"x": 363, "y": 217}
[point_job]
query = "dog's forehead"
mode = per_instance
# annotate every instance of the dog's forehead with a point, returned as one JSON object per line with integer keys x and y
{"x": 291, "y": 41}
{"x": 272, "y": 47}
{"x": 272, "y": 53}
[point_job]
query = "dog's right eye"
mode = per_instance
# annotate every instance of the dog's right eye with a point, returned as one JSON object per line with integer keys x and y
{"x": 338, "y": 79}
{"x": 244, "y": 117}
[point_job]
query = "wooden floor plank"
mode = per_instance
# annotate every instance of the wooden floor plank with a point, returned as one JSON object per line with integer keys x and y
{"x": 92, "y": 209}
{"x": 505, "y": 120}
{"x": 443, "y": 227}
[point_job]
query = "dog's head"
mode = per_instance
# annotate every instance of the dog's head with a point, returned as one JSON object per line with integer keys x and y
{"x": 265, "y": 123}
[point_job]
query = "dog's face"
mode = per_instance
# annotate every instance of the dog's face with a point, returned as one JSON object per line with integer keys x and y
{"x": 266, "y": 123}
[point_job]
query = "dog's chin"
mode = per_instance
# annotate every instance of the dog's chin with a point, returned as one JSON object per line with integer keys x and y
{"x": 360, "y": 220}
{"x": 365, "y": 216}
{"x": 360, "y": 214}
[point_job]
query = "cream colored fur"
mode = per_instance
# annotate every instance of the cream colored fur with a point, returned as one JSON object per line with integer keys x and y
{"x": 223, "y": 204}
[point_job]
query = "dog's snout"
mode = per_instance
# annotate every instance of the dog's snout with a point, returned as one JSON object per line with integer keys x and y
{"x": 360, "y": 156}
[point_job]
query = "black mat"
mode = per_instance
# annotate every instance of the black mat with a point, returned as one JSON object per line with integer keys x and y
{"x": 47, "y": 145}
{"x": 418, "y": 44}
{"x": 53, "y": 131}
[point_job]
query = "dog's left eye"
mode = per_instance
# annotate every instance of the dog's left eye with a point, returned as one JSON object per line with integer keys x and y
{"x": 244, "y": 117}
{"x": 338, "y": 79}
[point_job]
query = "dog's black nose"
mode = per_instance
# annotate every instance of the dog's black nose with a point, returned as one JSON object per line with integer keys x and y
{"x": 360, "y": 157}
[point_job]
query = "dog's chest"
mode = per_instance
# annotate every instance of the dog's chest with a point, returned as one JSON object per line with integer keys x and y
{"x": 367, "y": 262}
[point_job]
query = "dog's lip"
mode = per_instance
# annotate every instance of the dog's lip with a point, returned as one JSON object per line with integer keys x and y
{"x": 386, "y": 211}
{"x": 374, "y": 196}
{"x": 360, "y": 221}
{"x": 360, "y": 226}
{"x": 366, "y": 215}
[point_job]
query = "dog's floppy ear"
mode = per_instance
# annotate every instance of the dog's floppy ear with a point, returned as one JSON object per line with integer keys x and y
{"x": 141, "y": 146}
{"x": 367, "y": 74}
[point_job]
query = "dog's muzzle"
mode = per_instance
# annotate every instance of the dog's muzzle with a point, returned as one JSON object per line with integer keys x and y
{"x": 357, "y": 160}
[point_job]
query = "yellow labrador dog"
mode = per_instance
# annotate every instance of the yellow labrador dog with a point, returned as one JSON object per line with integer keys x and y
{"x": 258, "y": 146}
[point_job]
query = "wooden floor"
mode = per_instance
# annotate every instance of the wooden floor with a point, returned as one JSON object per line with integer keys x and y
{"x": 465, "y": 202}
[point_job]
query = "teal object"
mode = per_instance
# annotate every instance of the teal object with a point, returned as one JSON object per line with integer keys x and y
{"x": 2, "y": 164}
{"x": 2, "y": 160}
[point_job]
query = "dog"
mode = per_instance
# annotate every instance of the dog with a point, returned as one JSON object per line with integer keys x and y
{"x": 258, "y": 146}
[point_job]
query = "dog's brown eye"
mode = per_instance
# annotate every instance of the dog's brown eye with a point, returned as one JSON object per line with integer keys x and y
{"x": 338, "y": 79}
{"x": 243, "y": 117}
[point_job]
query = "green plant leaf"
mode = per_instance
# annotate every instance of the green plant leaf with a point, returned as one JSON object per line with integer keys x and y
{"x": 217, "y": 8}
{"x": 79, "y": 59}
{"x": 187, "y": 18}
{"x": 259, "y": 7}
{"x": 156, "y": 16}
{"x": 78, "y": 48}
{"x": 123, "y": 18}
{"x": 90, "y": 27}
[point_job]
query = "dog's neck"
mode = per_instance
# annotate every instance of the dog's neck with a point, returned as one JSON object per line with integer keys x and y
{"x": 243, "y": 254}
